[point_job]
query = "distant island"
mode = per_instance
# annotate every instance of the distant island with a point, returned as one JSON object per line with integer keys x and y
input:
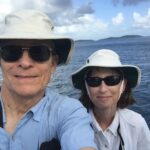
{"x": 111, "y": 38}
{"x": 125, "y": 36}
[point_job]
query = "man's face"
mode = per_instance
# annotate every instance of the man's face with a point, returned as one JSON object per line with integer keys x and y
{"x": 26, "y": 76}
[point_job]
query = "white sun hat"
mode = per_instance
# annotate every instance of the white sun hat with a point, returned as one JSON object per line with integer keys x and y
{"x": 107, "y": 59}
{"x": 35, "y": 25}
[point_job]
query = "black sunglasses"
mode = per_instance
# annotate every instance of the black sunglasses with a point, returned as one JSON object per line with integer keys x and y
{"x": 109, "y": 80}
{"x": 12, "y": 53}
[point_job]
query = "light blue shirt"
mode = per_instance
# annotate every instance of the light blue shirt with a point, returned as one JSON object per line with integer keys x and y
{"x": 54, "y": 116}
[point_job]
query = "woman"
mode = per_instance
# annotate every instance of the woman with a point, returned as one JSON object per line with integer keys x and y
{"x": 106, "y": 85}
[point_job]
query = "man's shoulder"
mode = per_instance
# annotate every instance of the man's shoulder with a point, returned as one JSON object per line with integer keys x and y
{"x": 64, "y": 107}
{"x": 61, "y": 100}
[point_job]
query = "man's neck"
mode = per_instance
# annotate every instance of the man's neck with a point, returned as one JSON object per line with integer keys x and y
{"x": 16, "y": 106}
{"x": 19, "y": 103}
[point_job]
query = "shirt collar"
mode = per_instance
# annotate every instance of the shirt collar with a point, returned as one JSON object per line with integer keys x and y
{"x": 38, "y": 109}
{"x": 95, "y": 124}
{"x": 3, "y": 110}
{"x": 114, "y": 125}
{"x": 112, "y": 128}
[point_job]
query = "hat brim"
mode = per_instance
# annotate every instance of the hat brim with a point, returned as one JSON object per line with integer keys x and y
{"x": 63, "y": 45}
{"x": 131, "y": 73}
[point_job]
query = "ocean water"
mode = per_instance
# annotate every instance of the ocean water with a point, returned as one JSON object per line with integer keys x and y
{"x": 134, "y": 51}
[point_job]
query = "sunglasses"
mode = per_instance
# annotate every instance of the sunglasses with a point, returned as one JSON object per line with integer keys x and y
{"x": 12, "y": 53}
{"x": 109, "y": 80}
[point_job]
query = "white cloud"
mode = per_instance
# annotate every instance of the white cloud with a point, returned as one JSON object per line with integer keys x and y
{"x": 128, "y": 2}
{"x": 79, "y": 23}
{"x": 5, "y": 8}
{"x": 85, "y": 9}
{"x": 141, "y": 21}
{"x": 49, "y": 6}
{"x": 87, "y": 26}
{"x": 118, "y": 19}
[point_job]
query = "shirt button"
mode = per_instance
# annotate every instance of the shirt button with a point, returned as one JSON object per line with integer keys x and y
{"x": 13, "y": 138}
{"x": 106, "y": 146}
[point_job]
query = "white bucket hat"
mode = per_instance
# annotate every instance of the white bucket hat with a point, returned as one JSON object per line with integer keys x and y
{"x": 108, "y": 59}
{"x": 35, "y": 25}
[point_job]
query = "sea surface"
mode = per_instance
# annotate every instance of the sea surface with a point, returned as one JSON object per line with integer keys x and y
{"x": 132, "y": 50}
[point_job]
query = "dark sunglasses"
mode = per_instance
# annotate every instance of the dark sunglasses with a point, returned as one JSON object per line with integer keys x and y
{"x": 109, "y": 80}
{"x": 12, "y": 53}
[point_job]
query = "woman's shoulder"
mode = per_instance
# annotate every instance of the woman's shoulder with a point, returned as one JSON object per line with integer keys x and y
{"x": 129, "y": 113}
{"x": 131, "y": 117}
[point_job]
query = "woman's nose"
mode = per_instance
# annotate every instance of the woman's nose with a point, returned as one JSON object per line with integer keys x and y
{"x": 102, "y": 87}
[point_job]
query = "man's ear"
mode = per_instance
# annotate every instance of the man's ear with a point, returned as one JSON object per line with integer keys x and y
{"x": 55, "y": 60}
{"x": 54, "y": 63}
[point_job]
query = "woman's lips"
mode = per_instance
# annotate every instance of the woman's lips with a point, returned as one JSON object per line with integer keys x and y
{"x": 103, "y": 98}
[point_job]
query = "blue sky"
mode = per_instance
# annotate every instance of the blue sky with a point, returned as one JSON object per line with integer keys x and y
{"x": 89, "y": 19}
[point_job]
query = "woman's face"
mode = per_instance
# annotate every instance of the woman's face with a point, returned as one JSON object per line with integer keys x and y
{"x": 105, "y": 96}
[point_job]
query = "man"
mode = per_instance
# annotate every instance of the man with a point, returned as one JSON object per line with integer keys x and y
{"x": 31, "y": 113}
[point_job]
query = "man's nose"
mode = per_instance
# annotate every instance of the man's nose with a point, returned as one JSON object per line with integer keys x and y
{"x": 25, "y": 61}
